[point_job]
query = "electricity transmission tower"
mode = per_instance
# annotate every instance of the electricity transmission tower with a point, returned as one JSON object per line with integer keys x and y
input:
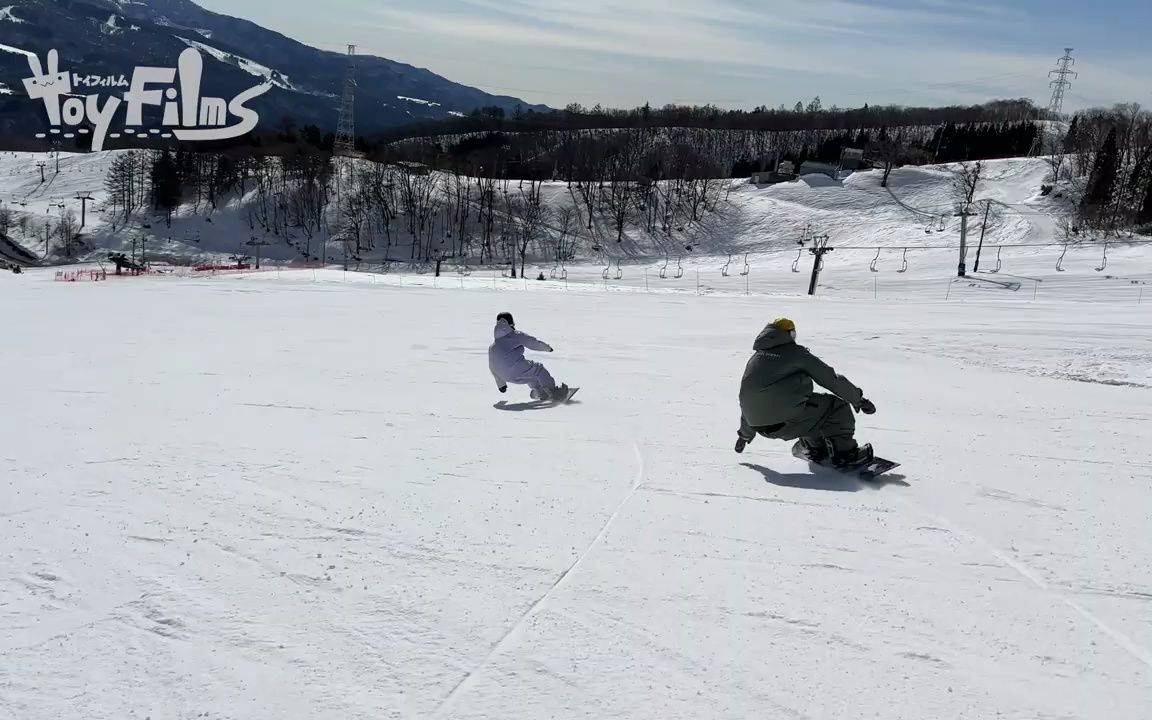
{"x": 1061, "y": 83}
{"x": 346, "y": 127}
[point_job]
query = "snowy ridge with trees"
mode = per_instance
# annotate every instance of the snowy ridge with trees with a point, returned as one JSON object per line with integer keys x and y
{"x": 388, "y": 213}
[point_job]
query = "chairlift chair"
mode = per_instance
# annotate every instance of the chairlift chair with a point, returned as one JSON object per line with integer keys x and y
{"x": 747, "y": 268}
{"x": 999, "y": 264}
{"x": 679, "y": 267}
{"x": 1104, "y": 261}
{"x": 796, "y": 262}
{"x": 904, "y": 262}
{"x": 724, "y": 270}
{"x": 872, "y": 266}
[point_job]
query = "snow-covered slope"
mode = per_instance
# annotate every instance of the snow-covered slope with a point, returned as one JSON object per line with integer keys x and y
{"x": 900, "y": 241}
{"x": 251, "y": 67}
{"x": 300, "y": 496}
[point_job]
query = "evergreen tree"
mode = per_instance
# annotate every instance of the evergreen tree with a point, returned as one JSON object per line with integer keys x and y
{"x": 166, "y": 185}
{"x": 1144, "y": 216}
{"x": 1102, "y": 181}
{"x": 1072, "y": 136}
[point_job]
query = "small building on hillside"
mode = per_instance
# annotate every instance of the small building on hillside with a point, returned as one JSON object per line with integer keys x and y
{"x": 812, "y": 167}
{"x": 785, "y": 172}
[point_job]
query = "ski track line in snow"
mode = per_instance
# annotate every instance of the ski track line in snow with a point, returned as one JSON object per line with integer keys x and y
{"x": 1140, "y": 653}
{"x": 513, "y": 633}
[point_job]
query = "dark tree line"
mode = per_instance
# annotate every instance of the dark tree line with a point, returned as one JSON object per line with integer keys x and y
{"x": 1111, "y": 152}
{"x": 959, "y": 143}
{"x": 810, "y": 117}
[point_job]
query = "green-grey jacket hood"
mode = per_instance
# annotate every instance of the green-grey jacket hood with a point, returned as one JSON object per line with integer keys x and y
{"x": 772, "y": 336}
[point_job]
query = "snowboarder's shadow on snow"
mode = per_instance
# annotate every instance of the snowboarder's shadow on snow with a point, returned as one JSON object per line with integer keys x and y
{"x": 531, "y": 405}
{"x": 822, "y": 479}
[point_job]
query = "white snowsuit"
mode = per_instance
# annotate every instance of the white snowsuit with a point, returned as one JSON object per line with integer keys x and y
{"x": 507, "y": 362}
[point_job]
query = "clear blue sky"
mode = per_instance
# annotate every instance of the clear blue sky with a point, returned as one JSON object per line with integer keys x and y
{"x": 742, "y": 53}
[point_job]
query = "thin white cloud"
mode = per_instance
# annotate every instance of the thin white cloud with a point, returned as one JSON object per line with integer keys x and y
{"x": 734, "y": 53}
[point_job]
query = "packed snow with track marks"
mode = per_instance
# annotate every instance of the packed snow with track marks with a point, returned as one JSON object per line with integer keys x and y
{"x": 299, "y": 495}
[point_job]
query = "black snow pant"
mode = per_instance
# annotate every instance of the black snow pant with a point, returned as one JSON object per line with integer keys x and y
{"x": 824, "y": 419}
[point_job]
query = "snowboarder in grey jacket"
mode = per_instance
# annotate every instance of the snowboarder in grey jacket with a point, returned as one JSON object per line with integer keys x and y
{"x": 777, "y": 401}
{"x": 508, "y": 365}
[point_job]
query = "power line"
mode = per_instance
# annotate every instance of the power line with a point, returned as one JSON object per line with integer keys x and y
{"x": 345, "y": 145}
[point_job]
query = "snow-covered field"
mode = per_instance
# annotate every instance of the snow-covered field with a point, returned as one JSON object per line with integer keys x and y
{"x": 299, "y": 495}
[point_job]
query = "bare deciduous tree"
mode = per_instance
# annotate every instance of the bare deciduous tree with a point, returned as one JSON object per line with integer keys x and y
{"x": 966, "y": 182}
{"x": 566, "y": 222}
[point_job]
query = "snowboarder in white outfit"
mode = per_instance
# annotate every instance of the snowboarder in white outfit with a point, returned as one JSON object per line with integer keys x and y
{"x": 508, "y": 365}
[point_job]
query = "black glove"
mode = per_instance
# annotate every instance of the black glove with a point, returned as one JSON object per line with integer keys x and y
{"x": 867, "y": 407}
{"x": 503, "y": 388}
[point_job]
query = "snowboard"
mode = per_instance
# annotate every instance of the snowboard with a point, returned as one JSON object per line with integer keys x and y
{"x": 566, "y": 398}
{"x": 870, "y": 470}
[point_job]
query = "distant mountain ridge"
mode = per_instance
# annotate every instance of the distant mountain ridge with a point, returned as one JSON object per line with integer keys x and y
{"x": 110, "y": 37}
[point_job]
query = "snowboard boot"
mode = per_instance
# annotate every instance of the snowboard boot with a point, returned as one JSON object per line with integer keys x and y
{"x": 860, "y": 455}
{"x": 741, "y": 442}
{"x": 814, "y": 450}
{"x": 557, "y": 394}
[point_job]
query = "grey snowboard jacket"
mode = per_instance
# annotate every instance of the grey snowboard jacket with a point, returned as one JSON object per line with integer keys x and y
{"x": 506, "y": 358}
{"x": 778, "y": 380}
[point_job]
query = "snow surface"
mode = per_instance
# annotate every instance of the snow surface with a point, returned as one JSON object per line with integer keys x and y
{"x": 16, "y": 50}
{"x": 112, "y": 25}
{"x": 418, "y": 101}
{"x": 299, "y": 495}
{"x": 249, "y": 66}
{"x": 7, "y": 16}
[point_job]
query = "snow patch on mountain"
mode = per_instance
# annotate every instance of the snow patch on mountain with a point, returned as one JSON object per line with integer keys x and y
{"x": 418, "y": 101}
{"x": 112, "y": 26}
{"x": 249, "y": 66}
{"x": 16, "y": 50}
{"x": 7, "y": 16}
